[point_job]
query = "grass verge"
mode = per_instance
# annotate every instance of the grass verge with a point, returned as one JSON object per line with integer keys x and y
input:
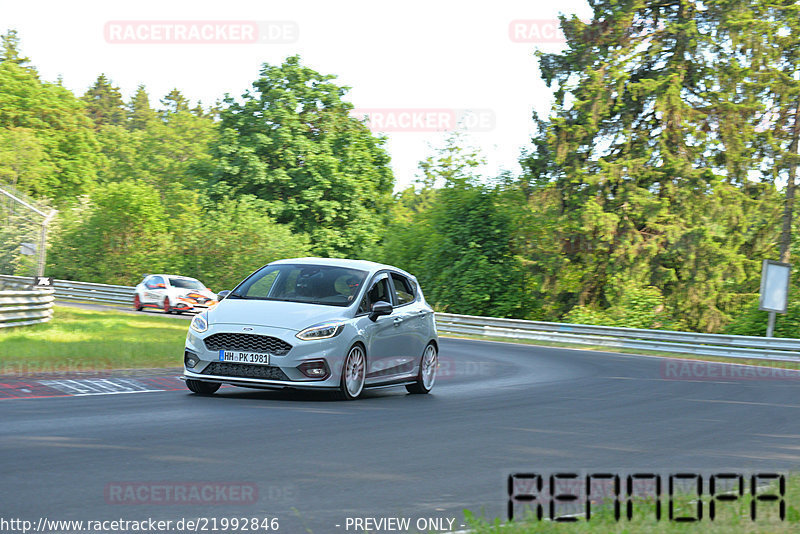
{"x": 730, "y": 517}
{"x": 78, "y": 340}
{"x": 85, "y": 340}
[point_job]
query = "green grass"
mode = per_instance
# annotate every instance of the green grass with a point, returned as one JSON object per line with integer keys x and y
{"x": 86, "y": 340}
{"x": 730, "y": 517}
{"x": 77, "y": 340}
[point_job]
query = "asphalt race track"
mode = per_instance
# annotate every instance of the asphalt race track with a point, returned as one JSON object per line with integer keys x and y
{"x": 123, "y": 309}
{"x": 313, "y": 461}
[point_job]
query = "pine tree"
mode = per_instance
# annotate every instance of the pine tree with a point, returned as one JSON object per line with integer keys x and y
{"x": 10, "y": 49}
{"x": 140, "y": 114}
{"x": 104, "y": 103}
{"x": 173, "y": 103}
{"x": 636, "y": 139}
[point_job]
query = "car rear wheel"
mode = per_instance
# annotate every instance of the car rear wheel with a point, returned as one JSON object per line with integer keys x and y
{"x": 137, "y": 303}
{"x": 202, "y": 388}
{"x": 167, "y": 307}
{"x": 354, "y": 373}
{"x": 428, "y": 365}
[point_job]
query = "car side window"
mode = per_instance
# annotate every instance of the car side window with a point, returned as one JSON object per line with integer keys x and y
{"x": 156, "y": 282}
{"x": 403, "y": 289}
{"x": 263, "y": 287}
{"x": 378, "y": 292}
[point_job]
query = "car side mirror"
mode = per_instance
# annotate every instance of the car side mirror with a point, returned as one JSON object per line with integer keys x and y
{"x": 380, "y": 308}
{"x": 222, "y": 294}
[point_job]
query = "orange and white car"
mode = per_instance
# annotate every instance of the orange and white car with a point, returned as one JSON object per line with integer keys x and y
{"x": 173, "y": 294}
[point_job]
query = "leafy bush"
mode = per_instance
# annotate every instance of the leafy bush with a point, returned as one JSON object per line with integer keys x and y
{"x": 753, "y": 322}
{"x": 123, "y": 231}
{"x": 634, "y": 308}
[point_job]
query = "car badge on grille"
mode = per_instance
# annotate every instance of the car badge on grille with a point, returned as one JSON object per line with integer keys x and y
{"x": 246, "y": 329}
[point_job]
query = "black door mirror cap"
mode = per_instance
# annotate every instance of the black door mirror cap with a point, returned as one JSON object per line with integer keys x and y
{"x": 380, "y": 308}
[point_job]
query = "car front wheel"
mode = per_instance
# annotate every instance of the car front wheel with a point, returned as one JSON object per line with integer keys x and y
{"x": 428, "y": 365}
{"x": 354, "y": 373}
{"x": 167, "y": 307}
{"x": 137, "y": 303}
{"x": 202, "y": 388}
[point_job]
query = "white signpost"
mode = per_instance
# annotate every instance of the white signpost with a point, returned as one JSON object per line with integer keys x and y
{"x": 774, "y": 295}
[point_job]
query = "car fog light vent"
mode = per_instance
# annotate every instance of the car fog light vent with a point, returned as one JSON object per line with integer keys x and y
{"x": 315, "y": 369}
{"x": 190, "y": 360}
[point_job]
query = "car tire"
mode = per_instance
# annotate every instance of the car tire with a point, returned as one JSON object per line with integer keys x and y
{"x": 167, "y": 307}
{"x": 428, "y": 364}
{"x": 137, "y": 303}
{"x": 354, "y": 373}
{"x": 202, "y": 388}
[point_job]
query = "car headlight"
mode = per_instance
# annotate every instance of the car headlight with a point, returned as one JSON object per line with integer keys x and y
{"x": 200, "y": 323}
{"x": 320, "y": 331}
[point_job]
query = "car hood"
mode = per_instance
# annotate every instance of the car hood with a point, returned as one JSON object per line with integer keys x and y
{"x": 289, "y": 315}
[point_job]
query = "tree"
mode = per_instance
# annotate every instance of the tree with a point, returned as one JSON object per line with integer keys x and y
{"x": 24, "y": 162}
{"x": 114, "y": 236}
{"x": 636, "y": 139}
{"x": 168, "y": 149}
{"x": 174, "y": 102}
{"x": 456, "y": 238}
{"x": 64, "y": 143}
{"x": 10, "y": 49}
{"x": 140, "y": 114}
{"x": 104, "y": 103}
{"x": 291, "y": 142}
{"x": 240, "y": 240}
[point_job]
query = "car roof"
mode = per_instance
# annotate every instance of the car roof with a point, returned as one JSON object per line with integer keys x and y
{"x": 173, "y": 276}
{"x": 363, "y": 265}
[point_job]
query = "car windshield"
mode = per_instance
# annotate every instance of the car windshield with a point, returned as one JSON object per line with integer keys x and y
{"x": 312, "y": 284}
{"x": 186, "y": 283}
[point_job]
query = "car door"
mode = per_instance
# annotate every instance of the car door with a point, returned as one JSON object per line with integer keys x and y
{"x": 409, "y": 316}
{"x": 383, "y": 354}
{"x": 147, "y": 289}
{"x": 156, "y": 290}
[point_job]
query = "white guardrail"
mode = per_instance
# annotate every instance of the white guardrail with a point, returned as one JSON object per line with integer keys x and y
{"x": 71, "y": 290}
{"x": 23, "y": 307}
{"x": 752, "y": 347}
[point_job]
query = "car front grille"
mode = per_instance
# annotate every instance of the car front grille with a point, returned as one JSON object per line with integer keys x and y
{"x": 247, "y": 343}
{"x": 245, "y": 370}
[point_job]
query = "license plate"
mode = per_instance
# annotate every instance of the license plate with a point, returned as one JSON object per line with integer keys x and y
{"x": 236, "y": 356}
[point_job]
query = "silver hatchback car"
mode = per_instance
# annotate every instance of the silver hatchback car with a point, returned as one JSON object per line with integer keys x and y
{"x": 315, "y": 323}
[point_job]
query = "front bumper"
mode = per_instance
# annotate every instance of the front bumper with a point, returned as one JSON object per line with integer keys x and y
{"x": 188, "y": 306}
{"x": 283, "y": 370}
